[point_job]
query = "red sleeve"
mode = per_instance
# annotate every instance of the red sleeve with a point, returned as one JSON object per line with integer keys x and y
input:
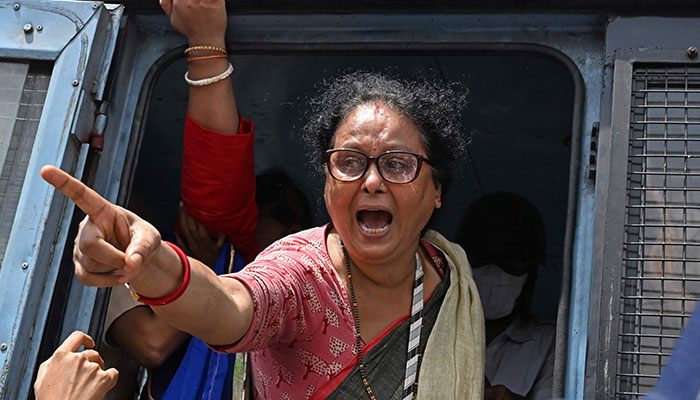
{"x": 218, "y": 183}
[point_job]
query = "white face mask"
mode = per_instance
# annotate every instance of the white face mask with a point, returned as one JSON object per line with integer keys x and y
{"x": 498, "y": 290}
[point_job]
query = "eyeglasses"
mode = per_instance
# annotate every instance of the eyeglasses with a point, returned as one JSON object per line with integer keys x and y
{"x": 394, "y": 166}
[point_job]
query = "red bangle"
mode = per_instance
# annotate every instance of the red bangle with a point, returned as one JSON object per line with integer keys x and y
{"x": 161, "y": 301}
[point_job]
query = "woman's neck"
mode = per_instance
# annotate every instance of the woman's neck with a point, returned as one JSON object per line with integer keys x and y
{"x": 382, "y": 297}
{"x": 383, "y": 292}
{"x": 387, "y": 275}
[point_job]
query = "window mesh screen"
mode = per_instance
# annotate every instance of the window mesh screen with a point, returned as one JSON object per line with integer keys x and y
{"x": 660, "y": 271}
{"x": 22, "y": 94}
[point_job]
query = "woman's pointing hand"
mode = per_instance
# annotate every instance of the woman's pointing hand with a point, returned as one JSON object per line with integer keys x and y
{"x": 112, "y": 243}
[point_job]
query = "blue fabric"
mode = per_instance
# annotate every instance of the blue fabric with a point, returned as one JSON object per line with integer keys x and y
{"x": 204, "y": 373}
{"x": 680, "y": 379}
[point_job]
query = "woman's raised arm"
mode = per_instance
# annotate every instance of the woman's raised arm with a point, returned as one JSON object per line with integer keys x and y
{"x": 115, "y": 246}
{"x": 203, "y": 23}
{"x": 218, "y": 169}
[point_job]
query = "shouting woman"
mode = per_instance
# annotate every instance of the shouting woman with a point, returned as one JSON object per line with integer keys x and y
{"x": 371, "y": 305}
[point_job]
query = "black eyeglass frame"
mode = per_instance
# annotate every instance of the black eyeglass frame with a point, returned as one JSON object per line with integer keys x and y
{"x": 375, "y": 159}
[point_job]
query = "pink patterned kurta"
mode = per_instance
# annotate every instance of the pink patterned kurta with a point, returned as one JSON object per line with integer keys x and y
{"x": 302, "y": 329}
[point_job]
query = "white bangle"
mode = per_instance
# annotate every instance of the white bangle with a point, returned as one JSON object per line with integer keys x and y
{"x": 209, "y": 81}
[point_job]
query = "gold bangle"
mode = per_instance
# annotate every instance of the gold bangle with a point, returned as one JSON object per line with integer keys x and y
{"x": 210, "y": 48}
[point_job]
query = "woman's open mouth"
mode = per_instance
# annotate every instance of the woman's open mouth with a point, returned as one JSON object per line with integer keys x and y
{"x": 375, "y": 221}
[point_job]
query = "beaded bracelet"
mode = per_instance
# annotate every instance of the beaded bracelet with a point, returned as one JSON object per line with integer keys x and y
{"x": 209, "y": 81}
{"x": 161, "y": 301}
{"x": 210, "y": 48}
{"x": 192, "y": 59}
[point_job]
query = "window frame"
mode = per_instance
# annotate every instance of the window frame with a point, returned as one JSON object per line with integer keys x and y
{"x": 79, "y": 38}
{"x": 574, "y": 40}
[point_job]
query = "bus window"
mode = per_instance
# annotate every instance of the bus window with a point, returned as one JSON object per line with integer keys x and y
{"x": 519, "y": 122}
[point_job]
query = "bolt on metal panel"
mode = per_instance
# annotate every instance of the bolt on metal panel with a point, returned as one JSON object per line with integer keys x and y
{"x": 40, "y": 29}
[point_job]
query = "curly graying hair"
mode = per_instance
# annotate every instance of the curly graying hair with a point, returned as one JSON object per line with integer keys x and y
{"x": 435, "y": 108}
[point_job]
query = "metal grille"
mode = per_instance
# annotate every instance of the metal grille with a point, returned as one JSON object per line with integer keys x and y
{"x": 660, "y": 271}
{"x": 22, "y": 95}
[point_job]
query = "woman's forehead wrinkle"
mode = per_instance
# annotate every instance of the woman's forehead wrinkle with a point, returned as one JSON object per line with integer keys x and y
{"x": 363, "y": 137}
{"x": 366, "y": 122}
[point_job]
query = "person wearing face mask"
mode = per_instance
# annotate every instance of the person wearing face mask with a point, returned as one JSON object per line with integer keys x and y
{"x": 504, "y": 238}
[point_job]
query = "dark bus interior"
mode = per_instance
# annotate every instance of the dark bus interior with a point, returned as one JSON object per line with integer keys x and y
{"x": 518, "y": 121}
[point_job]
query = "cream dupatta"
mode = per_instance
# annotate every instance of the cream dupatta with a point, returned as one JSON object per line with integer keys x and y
{"x": 453, "y": 361}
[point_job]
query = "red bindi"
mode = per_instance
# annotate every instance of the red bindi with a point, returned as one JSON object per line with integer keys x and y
{"x": 374, "y": 148}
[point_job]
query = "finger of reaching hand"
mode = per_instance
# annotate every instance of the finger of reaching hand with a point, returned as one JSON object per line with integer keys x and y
{"x": 192, "y": 234}
{"x": 181, "y": 244}
{"x": 75, "y": 340}
{"x": 202, "y": 231}
{"x": 93, "y": 356}
{"x": 87, "y": 199}
{"x": 111, "y": 375}
{"x": 188, "y": 225}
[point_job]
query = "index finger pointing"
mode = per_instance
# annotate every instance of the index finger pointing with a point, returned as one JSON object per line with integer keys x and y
{"x": 87, "y": 199}
{"x": 75, "y": 340}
